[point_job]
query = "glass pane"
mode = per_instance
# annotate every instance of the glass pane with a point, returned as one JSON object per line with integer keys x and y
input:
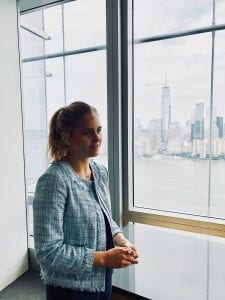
{"x": 86, "y": 82}
{"x": 160, "y": 17}
{"x": 44, "y": 89}
{"x": 217, "y": 208}
{"x": 216, "y": 268}
{"x": 35, "y": 18}
{"x": 171, "y": 124}
{"x": 53, "y": 28}
{"x": 31, "y": 44}
{"x": 174, "y": 265}
{"x": 35, "y": 127}
{"x": 85, "y": 24}
{"x": 54, "y": 85}
{"x": 220, "y": 11}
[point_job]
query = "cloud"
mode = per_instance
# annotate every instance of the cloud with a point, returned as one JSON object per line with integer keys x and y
{"x": 187, "y": 60}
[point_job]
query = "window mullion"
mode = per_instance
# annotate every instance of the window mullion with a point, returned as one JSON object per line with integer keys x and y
{"x": 127, "y": 102}
{"x": 114, "y": 107}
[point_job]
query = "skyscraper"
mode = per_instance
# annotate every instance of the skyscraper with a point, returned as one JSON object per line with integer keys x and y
{"x": 199, "y": 111}
{"x": 165, "y": 112}
{"x": 219, "y": 124}
{"x": 197, "y": 128}
{"x": 192, "y": 131}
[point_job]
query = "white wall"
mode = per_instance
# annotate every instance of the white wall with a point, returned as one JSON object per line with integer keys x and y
{"x": 13, "y": 232}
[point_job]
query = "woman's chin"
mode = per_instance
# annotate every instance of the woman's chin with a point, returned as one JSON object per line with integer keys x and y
{"x": 94, "y": 152}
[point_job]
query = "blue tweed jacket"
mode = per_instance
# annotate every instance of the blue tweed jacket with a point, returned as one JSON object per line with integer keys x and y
{"x": 69, "y": 227}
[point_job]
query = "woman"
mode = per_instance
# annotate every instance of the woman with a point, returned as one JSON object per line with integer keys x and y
{"x": 74, "y": 233}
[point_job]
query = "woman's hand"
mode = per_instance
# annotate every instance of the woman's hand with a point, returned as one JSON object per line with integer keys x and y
{"x": 121, "y": 241}
{"x": 118, "y": 257}
{"x": 131, "y": 248}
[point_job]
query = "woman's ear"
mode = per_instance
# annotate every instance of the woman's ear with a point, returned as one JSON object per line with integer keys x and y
{"x": 66, "y": 138}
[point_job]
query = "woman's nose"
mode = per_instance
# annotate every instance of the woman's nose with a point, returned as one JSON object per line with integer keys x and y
{"x": 97, "y": 136}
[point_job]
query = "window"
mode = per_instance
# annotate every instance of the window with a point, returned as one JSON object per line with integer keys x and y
{"x": 178, "y": 111}
{"x": 64, "y": 60}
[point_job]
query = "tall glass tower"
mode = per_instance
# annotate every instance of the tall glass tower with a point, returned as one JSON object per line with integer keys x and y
{"x": 199, "y": 121}
{"x": 219, "y": 124}
{"x": 165, "y": 112}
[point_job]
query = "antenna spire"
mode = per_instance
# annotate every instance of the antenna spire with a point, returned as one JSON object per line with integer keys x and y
{"x": 166, "y": 79}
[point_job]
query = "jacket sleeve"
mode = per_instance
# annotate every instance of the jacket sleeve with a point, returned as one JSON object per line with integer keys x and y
{"x": 114, "y": 227}
{"x": 48, "y": 211}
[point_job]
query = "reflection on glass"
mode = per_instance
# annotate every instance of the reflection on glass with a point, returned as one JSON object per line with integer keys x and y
{"x": 85, "y": 24}
{"x": 171, "y": 124}
{"x": 86, "y": 81}
{"x": 34, "y": 18}
{"x": 220, "y": 11}
{"x": 160, "y": 17}
{"x": 54, "y": 85}
{"x": 174, "y": 265}
{"x": 44, "y": 83}
{"x": 35, "y": 126}
{"x": 217, "y": 207}
{"x": 32, "y": 45}
{"x": 53, "y": 28}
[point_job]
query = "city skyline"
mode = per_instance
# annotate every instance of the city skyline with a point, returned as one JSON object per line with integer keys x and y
{"x": 162, "y": 135}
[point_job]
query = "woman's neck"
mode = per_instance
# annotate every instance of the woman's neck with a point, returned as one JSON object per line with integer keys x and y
{"x": 81, "y": 167}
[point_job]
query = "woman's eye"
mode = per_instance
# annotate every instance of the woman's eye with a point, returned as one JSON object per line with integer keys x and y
{"x": 99, "y": 130}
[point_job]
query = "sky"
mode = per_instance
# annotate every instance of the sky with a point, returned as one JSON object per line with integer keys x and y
{"x": 186, "y": 61}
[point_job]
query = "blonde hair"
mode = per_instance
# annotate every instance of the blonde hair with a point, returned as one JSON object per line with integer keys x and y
{"x": 65, "y": 120}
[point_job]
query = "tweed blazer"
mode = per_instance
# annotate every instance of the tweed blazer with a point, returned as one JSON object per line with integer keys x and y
{"x": 69, "y": 226}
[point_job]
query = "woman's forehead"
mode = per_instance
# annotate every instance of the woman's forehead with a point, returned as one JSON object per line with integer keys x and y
{"x": 89, "y": 120}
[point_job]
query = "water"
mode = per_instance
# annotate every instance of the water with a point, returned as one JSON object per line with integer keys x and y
{"x": 180, "y": 185}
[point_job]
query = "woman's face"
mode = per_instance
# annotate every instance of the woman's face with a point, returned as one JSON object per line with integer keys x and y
{"x": 86, "y": 139}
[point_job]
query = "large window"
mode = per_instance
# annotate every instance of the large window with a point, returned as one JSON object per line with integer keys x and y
{"x": 162, "y": 94}
{"x": 179, "y": 109}
{"x": 64, "y": 60}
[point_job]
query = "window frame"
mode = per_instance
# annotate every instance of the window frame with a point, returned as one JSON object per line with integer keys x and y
{"x": 179, "y": 221}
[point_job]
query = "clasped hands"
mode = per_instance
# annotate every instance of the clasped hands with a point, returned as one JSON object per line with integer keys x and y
{"x": 123, "y": 255}
{"x": 125, "y": 250}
